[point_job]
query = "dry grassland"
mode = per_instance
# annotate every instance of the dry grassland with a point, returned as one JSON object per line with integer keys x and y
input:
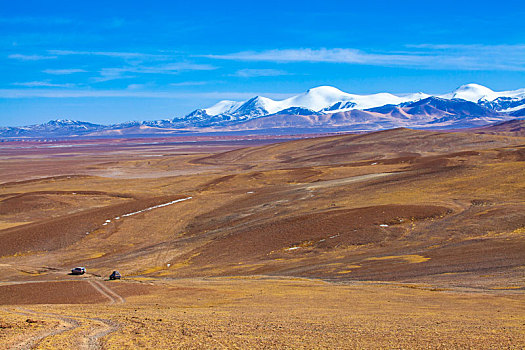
{"x": 396, "y": 239}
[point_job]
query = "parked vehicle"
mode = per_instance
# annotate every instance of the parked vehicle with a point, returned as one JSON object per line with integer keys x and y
{"x": 78, "y": 271}
{"x": 115, "y": 275}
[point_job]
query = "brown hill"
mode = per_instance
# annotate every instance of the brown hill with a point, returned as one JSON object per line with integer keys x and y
{"x": 515, "y": 127}
{"x": 400, "y": 205}
{"x": 386, "y": 146}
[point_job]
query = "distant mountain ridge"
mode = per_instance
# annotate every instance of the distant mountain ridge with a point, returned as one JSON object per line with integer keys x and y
{"x": 323, "y": 107}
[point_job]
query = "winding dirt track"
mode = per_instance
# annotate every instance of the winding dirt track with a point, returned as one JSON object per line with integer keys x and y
{"x": 32, "y": 341}
{"x": 107, "y": 292}
{"x": 90, "y": 340}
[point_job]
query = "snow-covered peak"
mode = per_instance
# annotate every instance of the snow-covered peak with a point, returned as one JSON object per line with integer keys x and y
{"x": 263, "y": 102}
{"x": 328, "y": 99}
{"x": 473, "y": 93}
{"x": 325, "y": 90}
{"x": 256, "y": 106}
{"x": 324, "y": 97}
{"x": 223, "y": 107}
{"x": 476, "y": 92}
{"x": 316, "y": 98}
{"x": 62, "y": 122}
{"x": 321, "y": 98}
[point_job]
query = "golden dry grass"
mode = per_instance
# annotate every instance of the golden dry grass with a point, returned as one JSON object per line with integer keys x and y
{"x": 288, "y": 313}
{"x": 429, "y": 255}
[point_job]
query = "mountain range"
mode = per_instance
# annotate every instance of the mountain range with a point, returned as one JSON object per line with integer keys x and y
{"x": 323, "y": 108}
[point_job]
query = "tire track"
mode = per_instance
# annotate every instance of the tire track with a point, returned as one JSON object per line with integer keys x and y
{"x": 94, "y": 339}
{"x": 113, "y": 297}
{"x": 110, "y": 326}
{"x": 68, "y": 323}
{"x": 98, "y": 288}
{"x": 90, "y": 340}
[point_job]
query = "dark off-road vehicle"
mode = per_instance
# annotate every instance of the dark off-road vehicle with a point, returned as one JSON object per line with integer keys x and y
{"x": 115, "y": 275}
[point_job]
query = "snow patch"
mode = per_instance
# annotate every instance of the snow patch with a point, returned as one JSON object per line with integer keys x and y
{"x": 157, "y": 206}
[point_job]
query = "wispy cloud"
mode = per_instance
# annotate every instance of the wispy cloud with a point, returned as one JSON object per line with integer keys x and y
{"x": 78, "y": 93}
{"x": 426, "y": 56}
{"x": 64, "y": 71}
{"x": 466, "y": 47}
{"x": 252, "y": 73}
{"x": 36, "y": 20}
{"x": 172, "y": 68}
{"x": 189, "y": 83}
{"x": 320, "y": 55}
{"x": 42, "y": 84}
{"x": 116, "y": 54}
{"x": 107, "y": 74}
{"x": 22, "y": 57}
{"x": 136, "y": 86}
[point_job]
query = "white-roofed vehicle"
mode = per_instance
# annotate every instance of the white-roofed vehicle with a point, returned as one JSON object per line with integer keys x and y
{"x": 78, "y": 270}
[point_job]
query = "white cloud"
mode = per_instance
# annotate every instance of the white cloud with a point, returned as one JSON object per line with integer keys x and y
{"x": 78, "y": 93}
{"x": 189, "y": 83}
{"x": 42, "y": 84}
{"x": 22, "y": 57}
{"x": 315, "y": 55}
{"x": 252, "y": 73}
{"x": 117, "y": 54}
{"x": 136, "y": 86}
{"x": 467, "y": 46}
{"x": 36, "y": 20}
{"x": 426, "y": 56}
{"x": 107, "y": 74}
{"x": 171, "y": 68}
{"x": 63, "y": 71}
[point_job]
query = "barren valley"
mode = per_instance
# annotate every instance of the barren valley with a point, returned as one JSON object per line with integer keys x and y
{"x": 392, "y": 239}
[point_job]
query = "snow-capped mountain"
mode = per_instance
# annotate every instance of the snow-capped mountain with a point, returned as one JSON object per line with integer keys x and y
{"x": 223, "y": 107}
{"x": 511, "y": 102}
{"x": 58, "y": 127}
{"x": 432, "y": 112}
{"x": 323, "y": 107}
{"x": 322, "y": 98}
{"x": 59, "y": 124}
{"x": 328, "y": 99}
{"x": 477, "y": 93}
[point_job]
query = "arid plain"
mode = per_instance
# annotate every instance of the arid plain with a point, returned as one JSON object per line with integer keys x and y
{"x": 393, "y": 239}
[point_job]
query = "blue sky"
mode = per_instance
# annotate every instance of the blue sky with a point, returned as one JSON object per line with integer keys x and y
{"x": 114, "y": 61}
